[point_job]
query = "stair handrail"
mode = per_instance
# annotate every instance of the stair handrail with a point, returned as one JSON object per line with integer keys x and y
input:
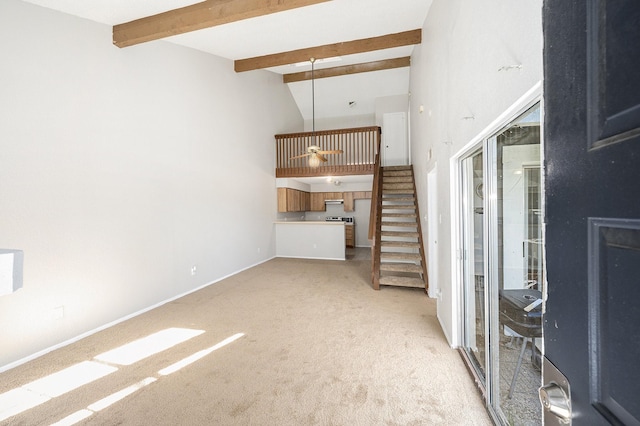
{"x": 425, "y": 274}
{"x": 374, "y": 198}
{"x": 376, "y": 190}
{"x": 375, "y": 219}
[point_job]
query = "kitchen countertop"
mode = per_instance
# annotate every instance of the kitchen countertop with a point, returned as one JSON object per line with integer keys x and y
{"x": 307, "y": 222}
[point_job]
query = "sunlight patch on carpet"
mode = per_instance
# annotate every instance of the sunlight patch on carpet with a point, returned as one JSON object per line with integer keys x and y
{"x": 42, "y": 390}
{"x": 133, "y": 352}
{"x": 117, "y": 396}
{"x": 74, "y": 418}
{"x": 39, "y": 391}
{"x": 103, "y": 403}
{"x": 18, "y": 400}
{"x": 198, "y": 355}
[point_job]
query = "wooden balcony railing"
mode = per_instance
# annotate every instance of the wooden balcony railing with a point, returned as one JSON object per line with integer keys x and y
{"x": 359, "y": 146}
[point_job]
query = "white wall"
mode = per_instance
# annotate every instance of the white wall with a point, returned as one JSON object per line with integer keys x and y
{"x": 476, "y": 59}
{"x": 120, "y": 169}
{"x": 346, "y": 122}
{"x": 390, "y": 104}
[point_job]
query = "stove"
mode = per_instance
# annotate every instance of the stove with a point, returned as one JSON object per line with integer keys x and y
{"x": 338, "y": 219}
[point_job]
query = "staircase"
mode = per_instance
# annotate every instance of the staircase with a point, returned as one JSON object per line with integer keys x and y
{"x": 401, "y": 261}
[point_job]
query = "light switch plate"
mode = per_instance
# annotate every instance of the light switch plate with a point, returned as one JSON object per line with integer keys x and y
{"x": 11, "y": 262}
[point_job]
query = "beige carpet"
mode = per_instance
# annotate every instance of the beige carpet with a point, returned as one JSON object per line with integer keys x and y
{"x": 320, "y": 348}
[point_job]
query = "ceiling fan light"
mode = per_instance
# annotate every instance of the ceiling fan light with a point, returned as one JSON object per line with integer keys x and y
{"x": 314, "y": 161}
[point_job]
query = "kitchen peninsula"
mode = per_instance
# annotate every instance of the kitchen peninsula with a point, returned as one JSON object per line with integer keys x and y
{"x": 310, "y": 239}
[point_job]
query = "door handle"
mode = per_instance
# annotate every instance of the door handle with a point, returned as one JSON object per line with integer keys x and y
{"x": 555, "y": 395}
{"x": 555, "y": 401}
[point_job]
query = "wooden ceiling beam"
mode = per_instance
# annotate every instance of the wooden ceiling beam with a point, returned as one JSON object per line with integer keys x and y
{"x": 386, "y": 64}
{"x": 206, "y": 14}
{"x": 330, "y": 50}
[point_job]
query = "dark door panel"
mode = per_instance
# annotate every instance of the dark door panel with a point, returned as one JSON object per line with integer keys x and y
{"x": 613, "y": 78}
{"x": 592, "y": 196}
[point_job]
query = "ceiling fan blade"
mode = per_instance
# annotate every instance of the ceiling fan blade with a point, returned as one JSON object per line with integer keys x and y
{"x": 335, "y": 151}
{"x": 324, "y": 160}
{"x": 299, "y": 156}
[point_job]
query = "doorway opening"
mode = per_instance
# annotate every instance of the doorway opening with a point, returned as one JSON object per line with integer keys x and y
{"x": 500, "y": 264}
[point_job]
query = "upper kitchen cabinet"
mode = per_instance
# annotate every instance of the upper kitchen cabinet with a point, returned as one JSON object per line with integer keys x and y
{"x": 293, "y": 200}
{"x": 317, "y": 202}
{"x": 350, "y": 197}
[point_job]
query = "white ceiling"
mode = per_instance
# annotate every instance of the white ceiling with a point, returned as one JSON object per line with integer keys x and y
{"x": 325, "y": 23}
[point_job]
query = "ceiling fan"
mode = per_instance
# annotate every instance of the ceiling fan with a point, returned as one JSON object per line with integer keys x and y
{"x": 314, "y": 152}
{"x": 316, "y": 155}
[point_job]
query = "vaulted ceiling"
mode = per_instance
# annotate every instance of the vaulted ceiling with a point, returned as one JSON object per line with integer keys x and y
{"x": 361, "y": 46}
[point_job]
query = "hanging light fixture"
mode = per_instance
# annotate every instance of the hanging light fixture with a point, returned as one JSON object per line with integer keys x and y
{"x": 314, "y": 152}
{"x": 314, "y": 161}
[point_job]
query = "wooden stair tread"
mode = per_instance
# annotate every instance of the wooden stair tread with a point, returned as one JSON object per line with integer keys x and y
{"x": 386, "y": 186}
{"x": 398, "y": 207}
{"x": 406, "y": 244}
{"x": 397, "y": 179}
{"x": 396, "y": 199}
{"x": 398, "y": 172}
{"x": 396, "y": 168}
{"x": 399, "y": 234}
{"x": 400, "y": 267}
{"x": 409, "y": 215}
{"x": 402, "y": 224}
{"x": 402, "y": 281}
{"x": 401, "y": 256}
{"x": 397, "y": 191}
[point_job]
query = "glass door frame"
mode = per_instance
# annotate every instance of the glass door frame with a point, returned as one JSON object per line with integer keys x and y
{"x": 484, "y": 141}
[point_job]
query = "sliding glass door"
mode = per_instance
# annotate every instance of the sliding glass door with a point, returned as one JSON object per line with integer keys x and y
{"x": 475, "y": 327}
{"x": 502, "y": 267}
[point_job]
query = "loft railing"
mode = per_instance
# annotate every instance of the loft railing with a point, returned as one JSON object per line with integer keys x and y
{"x": 359, "y": 145}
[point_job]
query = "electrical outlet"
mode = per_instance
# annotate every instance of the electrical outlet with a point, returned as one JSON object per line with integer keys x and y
{"x": 193, "y": 270}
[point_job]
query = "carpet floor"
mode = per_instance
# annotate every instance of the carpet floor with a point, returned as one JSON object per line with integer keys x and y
{"x": 318, "y": 347}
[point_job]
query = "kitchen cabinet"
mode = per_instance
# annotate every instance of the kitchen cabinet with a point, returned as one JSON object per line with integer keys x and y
{"x": 348, "y": 201}
{"x": 305, "y": 201}
{"x": 317, "y": 202}
{"x": 350, "y": 197}
{"x": 349, "y": 235}
{"x": 292, "y": 200}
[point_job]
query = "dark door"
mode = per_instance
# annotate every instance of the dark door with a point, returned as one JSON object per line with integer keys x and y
{"x": 592, "y": 159}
